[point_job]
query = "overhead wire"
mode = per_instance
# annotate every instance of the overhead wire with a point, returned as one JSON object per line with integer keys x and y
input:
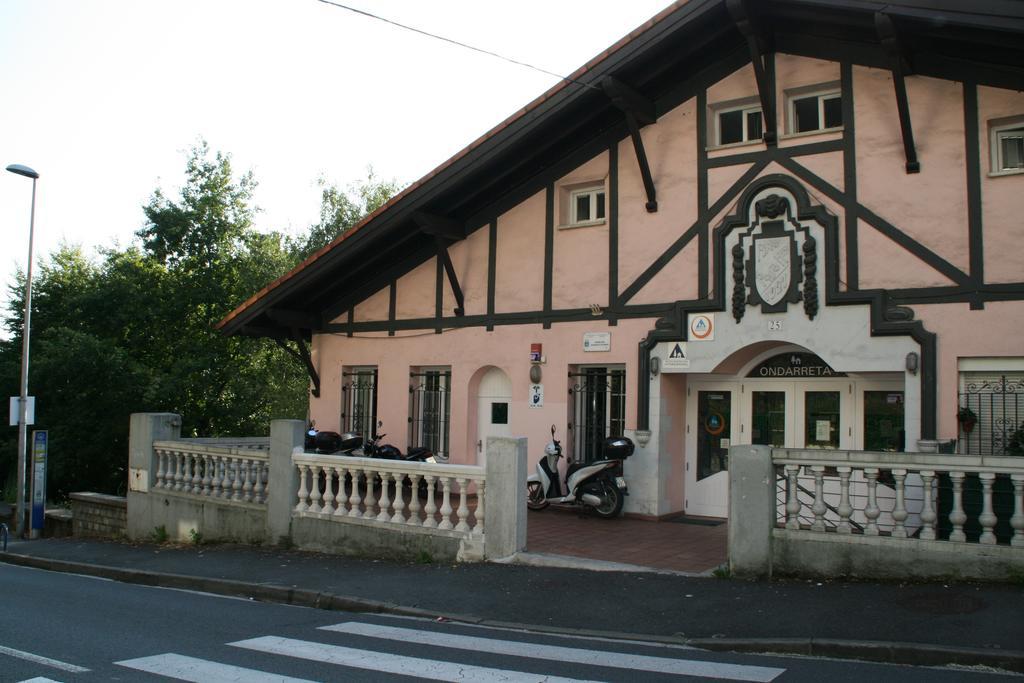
{"x": 458, "y": 43}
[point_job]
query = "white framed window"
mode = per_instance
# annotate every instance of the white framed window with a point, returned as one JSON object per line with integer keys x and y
{"x": 739, "y": 124}
{"x": 359, "y": 400}
{"x": 587, "y": 205}
{"x": 430, "y": 409}
{"x": 1006, "y": 137}
{"x": 814, "y": 109}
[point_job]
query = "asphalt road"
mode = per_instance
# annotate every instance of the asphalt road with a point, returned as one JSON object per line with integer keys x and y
{"x": 61, "y": 627}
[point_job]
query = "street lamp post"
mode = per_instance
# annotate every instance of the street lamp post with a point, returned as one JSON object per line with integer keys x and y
{"x": 19, "y": 523}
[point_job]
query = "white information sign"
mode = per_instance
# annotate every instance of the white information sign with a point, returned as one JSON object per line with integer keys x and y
{"x": 597, "y": 341}
{"x": 30, "y": 413}
{"x": 822, "y": 431}
{"x": 677, "y": 358}
{"x": 702, "y": 327}
{"x": 536, "y": 396}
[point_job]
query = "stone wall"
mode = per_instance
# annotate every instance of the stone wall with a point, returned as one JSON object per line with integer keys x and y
{"x": 98, "y": 515}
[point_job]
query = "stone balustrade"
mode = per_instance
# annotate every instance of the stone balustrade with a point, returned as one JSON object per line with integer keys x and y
{"x": 422, "y": 496}
{"x": 230, "y": 473}
{"x": 897, "y": 495}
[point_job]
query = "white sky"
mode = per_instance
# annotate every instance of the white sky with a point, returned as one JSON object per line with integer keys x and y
{"x": 103, "y": 97}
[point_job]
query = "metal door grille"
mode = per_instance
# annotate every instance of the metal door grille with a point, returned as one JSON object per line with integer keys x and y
{"x": 430, "y": 410}
{"x": 997, "y": 404}
{"x": 359, "y": 401}
{"x": 597, "y": 397}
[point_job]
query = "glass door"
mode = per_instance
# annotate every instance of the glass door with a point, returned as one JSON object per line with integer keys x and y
{"x": 711, "y": 430}
{"x": 768, "y": 418}
{"x": 825, "y": 415}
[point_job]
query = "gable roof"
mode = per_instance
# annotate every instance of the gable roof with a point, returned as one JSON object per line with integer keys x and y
{"x": 681, "y": 50}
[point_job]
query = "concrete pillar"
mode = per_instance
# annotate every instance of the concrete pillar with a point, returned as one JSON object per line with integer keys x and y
{"x": 144, "y": 429}
{"x": 505, "y": 504}
{"x": 752, "y": 503}
{"x": 285, "y": 437}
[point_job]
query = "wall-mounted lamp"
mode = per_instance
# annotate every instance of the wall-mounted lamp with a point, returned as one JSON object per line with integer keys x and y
{"x": 655, "y": 366}
{"x": 535, "y": 374}
{"x": 912, "y": 361}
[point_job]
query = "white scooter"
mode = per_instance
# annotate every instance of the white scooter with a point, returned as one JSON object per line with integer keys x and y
{"x": 598, "y": 485}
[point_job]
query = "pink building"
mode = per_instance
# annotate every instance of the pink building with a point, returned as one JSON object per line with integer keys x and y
{"x": 778, "y": 222}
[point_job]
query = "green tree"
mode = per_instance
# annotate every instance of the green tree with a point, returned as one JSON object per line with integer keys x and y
{"x": 341, "y": 209}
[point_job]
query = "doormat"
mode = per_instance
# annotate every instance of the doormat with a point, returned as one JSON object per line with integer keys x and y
{"x": 683, "y": 519}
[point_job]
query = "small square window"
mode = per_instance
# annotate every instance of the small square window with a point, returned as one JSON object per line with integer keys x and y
{"x": 1010, "y": 149}
{"x": 499, "y": 413}
{"x": 815, "y": 111}
{"x": 739, "y": 125}
{"x": 587, "y": 206}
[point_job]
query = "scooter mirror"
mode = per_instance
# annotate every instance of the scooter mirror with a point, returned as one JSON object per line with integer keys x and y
{"x": 552, "y": 432}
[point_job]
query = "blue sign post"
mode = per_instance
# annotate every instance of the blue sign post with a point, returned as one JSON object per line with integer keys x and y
{"x": 39, "y": 448}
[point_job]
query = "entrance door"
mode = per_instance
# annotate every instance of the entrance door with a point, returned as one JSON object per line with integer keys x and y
{"x": 711, "y": 430}
{"x": 825, "y": 414}
{"x": 493, "y": 400}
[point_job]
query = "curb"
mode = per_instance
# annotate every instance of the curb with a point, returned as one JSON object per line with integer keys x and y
{"x": 915, "y": 654}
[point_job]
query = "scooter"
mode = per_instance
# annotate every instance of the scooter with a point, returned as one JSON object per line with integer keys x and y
{"x": 598, "y": 485}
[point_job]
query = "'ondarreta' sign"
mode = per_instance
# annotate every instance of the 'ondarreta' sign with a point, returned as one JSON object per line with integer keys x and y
{"x": 795, "y": 364}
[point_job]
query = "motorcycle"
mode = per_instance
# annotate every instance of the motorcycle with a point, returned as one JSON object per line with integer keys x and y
{"x": 331, "y": 443}
{"x": 599, "y": 485}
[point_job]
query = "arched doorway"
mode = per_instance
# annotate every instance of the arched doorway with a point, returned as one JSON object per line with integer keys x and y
{"x": 494, "y": 400}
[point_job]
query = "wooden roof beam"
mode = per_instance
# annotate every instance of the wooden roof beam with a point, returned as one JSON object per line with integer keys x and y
{"x": 894, "y": 47}
{"x": 639, "y": 111}
{"x": 439, "y": 226}
{"x": 301, "y": 353}
{"x": 757, "y": 43}
{"x": 453, "y": 279}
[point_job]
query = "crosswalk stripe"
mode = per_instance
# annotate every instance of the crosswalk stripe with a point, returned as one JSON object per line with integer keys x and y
{"x": 392, "y": 664}
{"x": 45, "y": 661}
{"x": 196, "y": 670}
{"x": 39, "y": 679}
{"x": 618, "y": 660}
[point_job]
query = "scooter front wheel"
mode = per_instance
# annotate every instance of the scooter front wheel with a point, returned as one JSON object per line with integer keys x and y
{"x": 611, "y": 501}
{"x": 535, "y": 499}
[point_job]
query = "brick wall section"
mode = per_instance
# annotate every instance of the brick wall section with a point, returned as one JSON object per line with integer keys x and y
{"x": 98, "y": 515}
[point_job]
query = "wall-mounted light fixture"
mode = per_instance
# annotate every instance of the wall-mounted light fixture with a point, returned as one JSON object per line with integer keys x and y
{"x": 535, "y": 374}
{"x": 912, "y": 362}
{"x": 655, "y": 366}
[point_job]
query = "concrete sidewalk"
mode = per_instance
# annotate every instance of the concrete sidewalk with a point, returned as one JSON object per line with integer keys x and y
{"x": 970, "y": 624}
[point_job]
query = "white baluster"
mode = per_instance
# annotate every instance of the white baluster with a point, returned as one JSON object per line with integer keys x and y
{"x": 478, "y": 527}
{"x": 260, "y": 487}
{"x": 178, "y": 478}
{"x": 371, "y": 501}
{"x": 430, "y": 510}
{"x": 340, "y": 497}
{"x": 218, "y": 476}
{"x": 354, "y": 499}
{"x": 463, "y": 511}
{"x": 987, "y": 518}
{"x": 385, "y": 497}
{"x": 236, "y": 478}
{"x": 414, "y": 501}
{"x": 314, "y": 493}
{"x": 871, "y": 511}
{"x": 899, "y": 511}
{"x": 1017, "y": 521}
{"x": 161, "y": 463}
{"x": 928, "y": 514}
{"x": 446, "y": 503}
{"x": 957, "y": 517}
{"x": 844, "y": 509}
{"x": 197, "y": 479}
{"x": 399, "y": 516}
{"x": 303, "y": 491}
{"x": 329, "y": 495}
{"x": 792, "y": 498}
{"x": 247, "y": 480}
{"x": 819, "y": 507}
{"x": 205, "y": 484}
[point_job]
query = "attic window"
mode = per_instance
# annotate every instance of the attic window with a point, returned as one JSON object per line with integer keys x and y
{"x": 814, "y": 109}
{"x": 587, "y": 206}
{"x": 740, "y": 125}
{"x": 1007, "y": 141}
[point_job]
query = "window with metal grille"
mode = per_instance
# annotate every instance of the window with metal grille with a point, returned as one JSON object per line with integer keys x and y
{"x": 359, "y": 401}
{"x": 430, "y": 409}
{"x": 990, "y": 413}
{"x": 598, "y": 401}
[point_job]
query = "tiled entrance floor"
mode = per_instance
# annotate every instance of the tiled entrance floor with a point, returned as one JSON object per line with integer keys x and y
{"x": 675, "y": 546}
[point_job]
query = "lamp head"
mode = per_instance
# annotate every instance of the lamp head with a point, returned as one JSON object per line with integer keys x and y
{"x": 23, "y": 170}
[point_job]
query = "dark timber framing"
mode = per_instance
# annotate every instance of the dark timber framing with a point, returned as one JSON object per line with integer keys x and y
{"x": 492, "y": 265}
{"x": 972, "y": 156}
{"x": 757, "y": 43}
{"x": 301, "y": 354}
{"x": 639, "y": 112}
{"x": 850, "y": 177}
{"x": 613, "y": 233}
{"x": 889, "y": 37}
{"x": 549, "y": 250}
